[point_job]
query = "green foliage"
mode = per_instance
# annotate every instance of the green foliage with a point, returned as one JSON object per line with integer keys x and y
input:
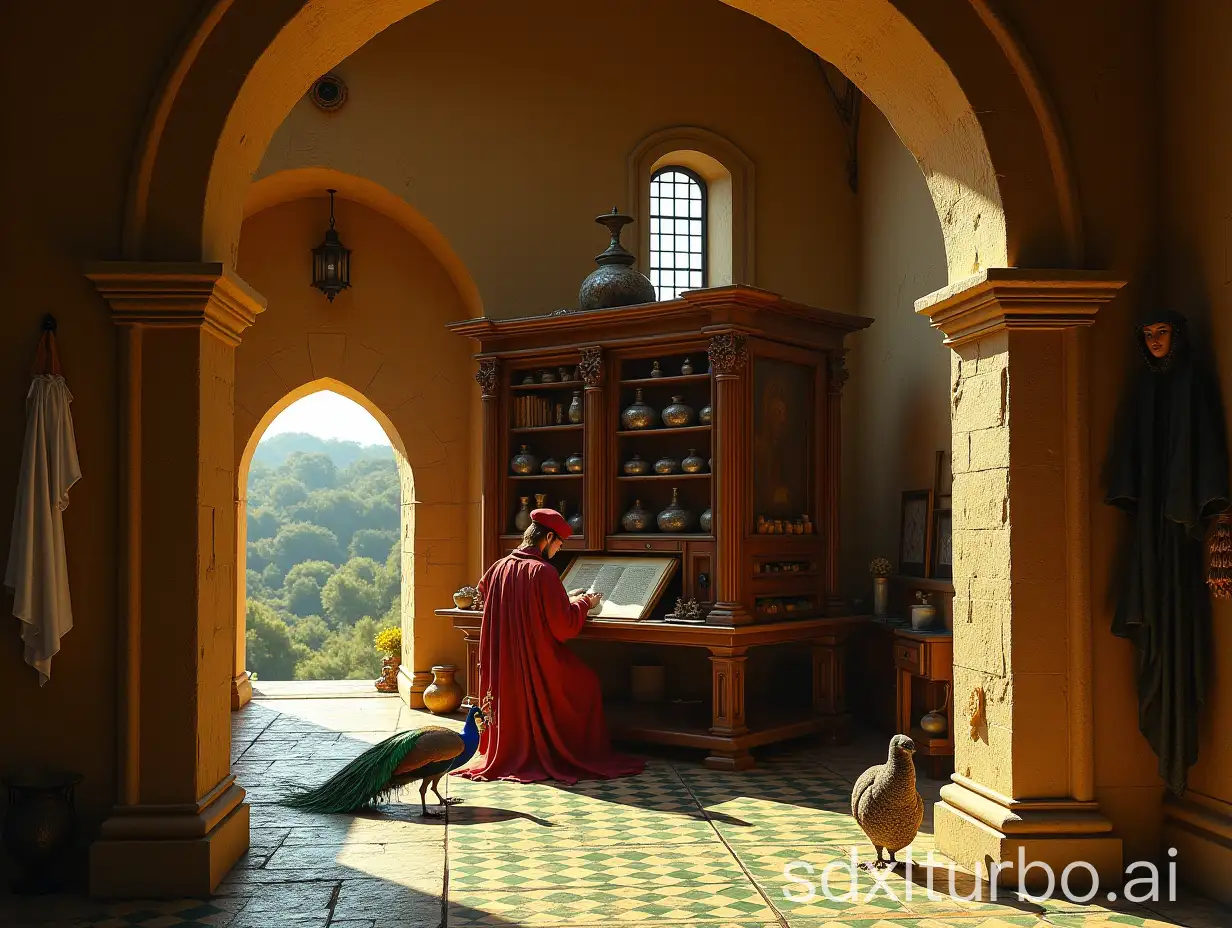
{"x": 346, "y": 654}
{"x": 262, "y": 523}
{"x": 324, "y": 559}
{"x": 373, "y": 542}
{"x": 315, "y": 470}
{"x": 272, "y": 452}
{"x": 270, "y": 649}
{"x": 303, "y": 541}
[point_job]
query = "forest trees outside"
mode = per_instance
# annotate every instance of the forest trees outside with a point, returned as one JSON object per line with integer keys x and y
{"x": 324, "y": 558}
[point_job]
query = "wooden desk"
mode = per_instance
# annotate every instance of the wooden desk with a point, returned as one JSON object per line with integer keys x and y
{"x": 733, "y": 727}
{"x": 925, "y": 664}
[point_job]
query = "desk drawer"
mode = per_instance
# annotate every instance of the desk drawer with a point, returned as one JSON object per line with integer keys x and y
{"x": 651, "y": 543}
{"x": 910, "y": 656}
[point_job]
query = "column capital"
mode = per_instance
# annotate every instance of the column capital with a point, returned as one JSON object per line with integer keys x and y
{"x": 488, "y": 377}
{"x": 178, "y": 295}
{"x": 1023, "y": 299}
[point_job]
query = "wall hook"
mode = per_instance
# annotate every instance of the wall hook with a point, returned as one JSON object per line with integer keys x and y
{"x": 49, "y": 323}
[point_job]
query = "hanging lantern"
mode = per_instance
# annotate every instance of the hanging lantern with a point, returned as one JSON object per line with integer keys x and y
{"x": 331, "y": 261}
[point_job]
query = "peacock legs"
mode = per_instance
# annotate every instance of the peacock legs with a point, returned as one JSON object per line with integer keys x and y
{"x": 451, "y": 801}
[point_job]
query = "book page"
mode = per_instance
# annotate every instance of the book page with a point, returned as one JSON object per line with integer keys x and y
{"x": 626, "y": 585}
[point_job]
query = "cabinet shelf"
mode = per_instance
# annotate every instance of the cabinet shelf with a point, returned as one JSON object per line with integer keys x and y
{"x": 571, "y": 427}
{"x": 653, "y": 381}
{"x": 684, "y": 429}
{"x": 665, "y": 477}
{"x": 545, "y": 476}
{"x": 558, "y": 385}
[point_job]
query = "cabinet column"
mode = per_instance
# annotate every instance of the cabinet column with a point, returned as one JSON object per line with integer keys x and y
{"x": 594, "y": 449}
{"x": 728, "y": 360}
{"x": 837, "y": 376}
{"x": 491, "y": 521}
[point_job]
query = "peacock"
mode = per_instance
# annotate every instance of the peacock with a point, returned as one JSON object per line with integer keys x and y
{"x": 424, "y": 754}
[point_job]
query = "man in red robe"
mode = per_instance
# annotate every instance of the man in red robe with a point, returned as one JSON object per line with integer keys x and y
{"x": 547, "y": 712}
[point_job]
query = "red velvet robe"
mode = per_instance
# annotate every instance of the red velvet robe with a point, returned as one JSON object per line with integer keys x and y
{"x": 547, "y": 718}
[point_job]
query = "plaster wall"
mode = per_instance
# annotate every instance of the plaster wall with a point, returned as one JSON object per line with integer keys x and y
{"x": 70, "y": 138}
{"x": 385, "y": 339}
{"x": 512, "y": 140}
{"x": 896, "y": 412}
{"x": 1197, "y": 239}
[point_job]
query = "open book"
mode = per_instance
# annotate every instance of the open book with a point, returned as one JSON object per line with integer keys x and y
{"x": 630, "y": 587}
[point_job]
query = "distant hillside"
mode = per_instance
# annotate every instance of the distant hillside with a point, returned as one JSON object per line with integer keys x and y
{"x": 273, "y": 451}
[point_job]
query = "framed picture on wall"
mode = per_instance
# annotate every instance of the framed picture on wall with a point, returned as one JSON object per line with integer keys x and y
{"x": 943, "y": 481}
{"x": 916, "y": 535}
{"x": 943, "y": 545}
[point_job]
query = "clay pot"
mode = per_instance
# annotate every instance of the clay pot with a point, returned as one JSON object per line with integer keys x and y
{"x": 40, "y": 824}
{"x": 666, "y": 466}
{"x": 638, "y": 415}
{"x": 443, "y": 695}
{"x": 677, "y": 414}
{"x": 636, "y": 519}
{"x": 573, "y": 463}
{"x": 935, "y": 722}
{"x": 686, "y": 368}
{"x": 547, "y": 377}
{"x": 706, "y": 521}
{"x": 551, "y": 466}
{"x": 692, "y": 464}
{"x": 388, "y": 683}
{"x": 705, "y": 415}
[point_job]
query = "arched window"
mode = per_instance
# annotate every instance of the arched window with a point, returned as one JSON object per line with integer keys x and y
{"x": 678, "y": 246}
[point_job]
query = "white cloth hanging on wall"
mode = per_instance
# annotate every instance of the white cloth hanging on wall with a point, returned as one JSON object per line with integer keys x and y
{"x": 37, "y": 571}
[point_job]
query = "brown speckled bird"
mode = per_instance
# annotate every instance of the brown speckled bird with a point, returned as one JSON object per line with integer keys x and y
{"x": 885, "y": 802}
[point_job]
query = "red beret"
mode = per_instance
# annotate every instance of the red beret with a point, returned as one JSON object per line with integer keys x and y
{"x": 551, "y": 519}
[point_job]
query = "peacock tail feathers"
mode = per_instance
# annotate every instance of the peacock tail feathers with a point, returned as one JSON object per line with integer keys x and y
{"x": 370, "y": 778}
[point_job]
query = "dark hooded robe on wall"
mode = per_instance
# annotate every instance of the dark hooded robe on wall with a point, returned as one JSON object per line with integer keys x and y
{"x": 1168, "y": 470}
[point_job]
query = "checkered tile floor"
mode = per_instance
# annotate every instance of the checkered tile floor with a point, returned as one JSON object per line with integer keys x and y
{"x": 678, "y": 846}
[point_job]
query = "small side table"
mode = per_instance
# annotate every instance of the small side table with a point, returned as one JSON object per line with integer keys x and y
{"x": 925, "y": 664}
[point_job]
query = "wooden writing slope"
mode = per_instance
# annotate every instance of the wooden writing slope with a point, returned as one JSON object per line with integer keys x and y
{"x": 769, "y": 374}
{"x": 630, "y": 587}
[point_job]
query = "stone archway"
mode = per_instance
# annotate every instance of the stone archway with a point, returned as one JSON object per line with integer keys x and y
{"x": 241, "y": 686}
{"x": 962, "y": 95}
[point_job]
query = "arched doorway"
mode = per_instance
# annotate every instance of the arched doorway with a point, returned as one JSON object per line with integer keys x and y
{"x": 320, "y": 561}
{"x": 942, "y": 79}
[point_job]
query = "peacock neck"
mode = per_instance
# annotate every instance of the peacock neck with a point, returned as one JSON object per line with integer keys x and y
{"x": 470, "y": 739}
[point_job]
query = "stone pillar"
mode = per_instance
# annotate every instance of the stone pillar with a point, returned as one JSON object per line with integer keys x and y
{"x": 729, "y": 357}
{"x": 180, "y": 821}
{"x": 493, "y": 519}
{"x": 1024, "y": 768}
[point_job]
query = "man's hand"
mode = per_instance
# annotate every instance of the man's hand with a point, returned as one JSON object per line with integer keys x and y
{"x": 591, "y": 600}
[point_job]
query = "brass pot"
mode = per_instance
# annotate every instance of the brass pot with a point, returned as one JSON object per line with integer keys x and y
{"x": 935, "y": 722}
{"x": 573, "y": 463}
{"x": 636, "y": 519}
{"x": 705, "y": 416}
{"x": 551, "y": 466}
{"x": 443, "y": 695}
{"x": 677, "y": 414}
{"x": 686, "y": 368}
{"x": 636, "y": 467}
{"x": 692, "y": 464}
{"x": 674, "y": 518}
{"x": 706, "y": 521}
{"x": 666, "y": 466}
{"x": 547, "y": 376}
{"x": 575, "y": 408}
{"x": 522, "y": 519}
{"x": 575, "y": 523}
{"x": 524, "y": 462}
{"x": 637, "y": 416}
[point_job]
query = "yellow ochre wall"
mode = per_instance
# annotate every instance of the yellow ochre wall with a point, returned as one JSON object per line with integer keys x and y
{"x": 896, "y": 412}
{"x": 384, "y": 339}
{"x": 509, "y": 127}
{"x": 71, "y": 136}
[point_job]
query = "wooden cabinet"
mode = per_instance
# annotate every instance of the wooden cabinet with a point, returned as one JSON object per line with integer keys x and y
{"x": 925, "y": 665}
{"x": 769, "y": 374}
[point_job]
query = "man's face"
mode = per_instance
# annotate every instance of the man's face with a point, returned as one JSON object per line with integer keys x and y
{"x": 1158, "y": 339}
{"x": 554, "y": 545}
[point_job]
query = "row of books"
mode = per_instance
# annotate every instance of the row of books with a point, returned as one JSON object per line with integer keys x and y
{"x": 534, "y": 411}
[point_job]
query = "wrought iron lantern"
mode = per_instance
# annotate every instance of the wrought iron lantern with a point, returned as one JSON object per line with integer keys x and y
{"x": 331, "y": 260}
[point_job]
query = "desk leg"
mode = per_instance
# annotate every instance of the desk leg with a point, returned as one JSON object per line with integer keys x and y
{"x": 830, "y": 688}
{"x": 472, "y": 667}
{"x": 904, "y": 701}
{"x": 727, "y": 708}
